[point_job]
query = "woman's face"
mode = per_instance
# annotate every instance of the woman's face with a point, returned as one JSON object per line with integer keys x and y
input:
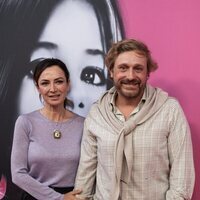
{"x": 53, "y": 86}
{"x": 72, "y": 35}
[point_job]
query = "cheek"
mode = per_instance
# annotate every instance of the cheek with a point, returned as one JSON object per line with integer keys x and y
{"x": 44, "y": 90}
{"x": 143, "y": 77}
{"x": 64, "y": 89}
{"x": 119, "y": 76}
{"x": 41, "y": 90}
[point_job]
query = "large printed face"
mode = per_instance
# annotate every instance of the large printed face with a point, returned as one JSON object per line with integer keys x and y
{"x": 72, "y": 35}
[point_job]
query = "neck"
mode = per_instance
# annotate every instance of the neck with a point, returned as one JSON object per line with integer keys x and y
{"x": 128, "y": 102}
{"x": 127, "y": 105}
{"x": 54, "y": 114}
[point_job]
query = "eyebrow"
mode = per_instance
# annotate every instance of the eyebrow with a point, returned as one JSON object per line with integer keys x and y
{"x": 56, "y": 79}
{"x": 47, "y": 45}
{"x": 50, "y": 45}
{"x": 95, "y": 52}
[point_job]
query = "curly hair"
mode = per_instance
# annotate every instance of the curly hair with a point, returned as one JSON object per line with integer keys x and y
{"x": 129, "y": 45}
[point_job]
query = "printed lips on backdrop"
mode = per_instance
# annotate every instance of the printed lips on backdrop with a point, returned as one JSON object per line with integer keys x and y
{"x": 2, "y": 187}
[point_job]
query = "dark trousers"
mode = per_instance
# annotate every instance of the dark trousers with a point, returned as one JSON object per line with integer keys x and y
{"x": 26, "y": 196}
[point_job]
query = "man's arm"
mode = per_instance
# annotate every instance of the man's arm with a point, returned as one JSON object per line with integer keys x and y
{"x": 86, "y": 175}
{"x": 182, "y": 173}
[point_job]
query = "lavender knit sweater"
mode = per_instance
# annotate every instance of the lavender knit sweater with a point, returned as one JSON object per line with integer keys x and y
{"x": 38, "y": 160}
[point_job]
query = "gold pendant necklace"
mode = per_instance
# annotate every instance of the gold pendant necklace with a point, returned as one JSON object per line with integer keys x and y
{"x": 57, "y": 134}
{"x": 57, "y": 131}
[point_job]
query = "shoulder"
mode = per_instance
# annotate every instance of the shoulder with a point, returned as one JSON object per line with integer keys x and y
{"x": 105, "y": 99}
{"x": 27, "y": 118}
{"x": 172, "y": 103}
{"x": 94, "y": 111}
{"x": 79, "y": 119}
{"x": 33, "y": 114}
{"x": 173, "y": 109}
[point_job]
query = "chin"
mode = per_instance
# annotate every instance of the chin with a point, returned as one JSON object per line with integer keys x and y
{"x": 130, "y": 93}
{"x": 55, "y": 104}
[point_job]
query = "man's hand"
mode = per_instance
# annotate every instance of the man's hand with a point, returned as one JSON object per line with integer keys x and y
{"x": 72, "y": 195}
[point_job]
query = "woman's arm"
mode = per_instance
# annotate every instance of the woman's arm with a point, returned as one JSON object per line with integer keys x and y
{"x": 19, "y": 164}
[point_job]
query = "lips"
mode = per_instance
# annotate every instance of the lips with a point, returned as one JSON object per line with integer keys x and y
{"x": 54, "y": 96}
{"x": 3, "y": 184}
{"x": 132, "y": 82}
{"x": 130, "y": 87}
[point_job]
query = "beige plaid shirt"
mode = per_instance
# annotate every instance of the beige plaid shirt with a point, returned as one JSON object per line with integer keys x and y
{"x": 162, "y": 157}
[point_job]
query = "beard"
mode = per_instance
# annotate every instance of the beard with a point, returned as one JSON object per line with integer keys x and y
{"x": 130, "y": 89}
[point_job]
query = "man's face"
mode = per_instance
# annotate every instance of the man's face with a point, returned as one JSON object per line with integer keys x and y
{"x": 130, "y": 75}
{"x": 72, "y": 35}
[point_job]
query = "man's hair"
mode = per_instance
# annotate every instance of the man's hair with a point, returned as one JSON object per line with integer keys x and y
{"x": 129, "y": 45}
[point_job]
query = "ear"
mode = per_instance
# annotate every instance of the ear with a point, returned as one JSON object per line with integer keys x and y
{"x": 38, "y": 89}
{"x": 148, "y": 74}
{"x": 68, "y": 85}
{"x": 111, "y": 73}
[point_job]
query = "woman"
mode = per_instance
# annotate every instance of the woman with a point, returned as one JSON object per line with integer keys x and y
{"x": 46, "y": 144}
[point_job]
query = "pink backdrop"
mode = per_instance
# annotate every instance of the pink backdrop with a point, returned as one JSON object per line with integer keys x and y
{"x": 172, "y": 31}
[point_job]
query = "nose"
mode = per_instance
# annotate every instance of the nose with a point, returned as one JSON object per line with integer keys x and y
{"x": 131, "y": 74}
{"x": 52, "y": 87}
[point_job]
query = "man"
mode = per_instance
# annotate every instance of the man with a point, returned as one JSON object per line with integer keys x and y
{"x": 136, "y": 142}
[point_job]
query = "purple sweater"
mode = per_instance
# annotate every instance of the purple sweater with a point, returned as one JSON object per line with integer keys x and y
{"x": 38, "y": 160}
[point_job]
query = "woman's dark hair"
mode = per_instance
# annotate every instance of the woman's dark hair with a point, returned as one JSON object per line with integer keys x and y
{"x": 47, "y": 63}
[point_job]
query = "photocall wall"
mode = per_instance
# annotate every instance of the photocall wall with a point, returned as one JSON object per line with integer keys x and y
{"x": 32, "y": 30}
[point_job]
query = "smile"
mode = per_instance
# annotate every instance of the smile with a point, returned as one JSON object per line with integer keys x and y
{"x": 54, "y": 96}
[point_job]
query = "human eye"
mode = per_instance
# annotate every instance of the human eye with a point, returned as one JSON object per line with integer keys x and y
{"x": 93, "y": 75}
{"x": 44, "y": 83}
{"x": 138, "y": 69}
{"x": 59, "y": 82}
{"x": 122, "y": 68}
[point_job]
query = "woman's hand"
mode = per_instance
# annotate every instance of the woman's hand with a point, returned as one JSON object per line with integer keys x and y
{"x": 72, "y": 195}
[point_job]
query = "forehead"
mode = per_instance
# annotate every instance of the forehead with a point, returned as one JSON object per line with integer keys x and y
{"x": 131, "y": 57}
{"x": 52, "y": 72}
{"x": 68, "y": 21}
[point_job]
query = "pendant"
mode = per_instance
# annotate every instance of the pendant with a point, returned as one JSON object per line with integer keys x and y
{"x": 57, "y": 134}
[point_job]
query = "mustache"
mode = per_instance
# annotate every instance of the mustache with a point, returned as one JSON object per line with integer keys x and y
{"x": 134, "y": 81}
